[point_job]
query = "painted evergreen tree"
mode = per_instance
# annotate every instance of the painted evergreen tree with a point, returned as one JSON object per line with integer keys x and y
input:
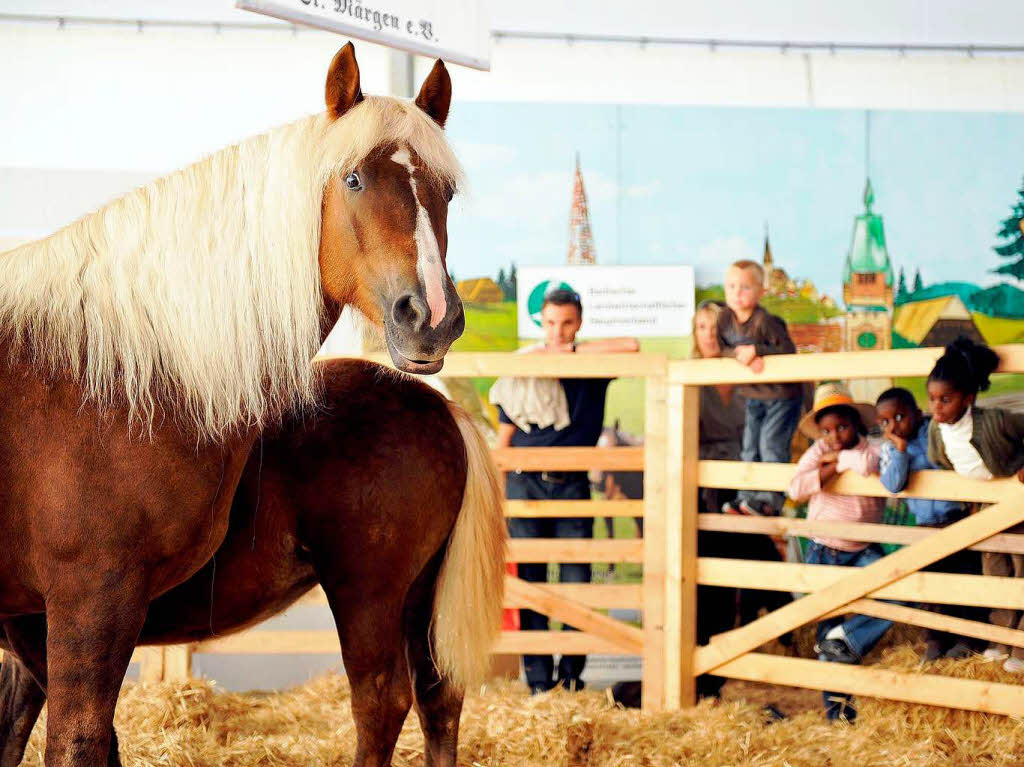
{"x": 901, "y": 288}
{"x": 918, "y": 284}
{"x": 502, "y": 284}
{"x": 1012, "y": 231}
{"x": 511, "y": 283}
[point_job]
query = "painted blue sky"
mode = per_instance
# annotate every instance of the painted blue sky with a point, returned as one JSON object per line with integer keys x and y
{"x": 696, "y": 185}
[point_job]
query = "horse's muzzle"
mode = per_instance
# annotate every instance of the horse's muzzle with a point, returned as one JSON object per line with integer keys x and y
{"x": 414, "y": 346}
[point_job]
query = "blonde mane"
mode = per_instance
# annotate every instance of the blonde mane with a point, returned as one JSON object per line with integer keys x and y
{"x": 199, "y": 294}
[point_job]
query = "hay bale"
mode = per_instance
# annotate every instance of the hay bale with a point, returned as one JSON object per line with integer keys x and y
{"x": 194, "y": 724}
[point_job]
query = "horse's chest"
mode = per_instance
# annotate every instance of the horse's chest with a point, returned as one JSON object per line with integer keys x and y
{"x": 83, "y": 496}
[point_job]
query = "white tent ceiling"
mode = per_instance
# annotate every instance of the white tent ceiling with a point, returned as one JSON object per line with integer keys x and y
{"x": 877, "y": 22}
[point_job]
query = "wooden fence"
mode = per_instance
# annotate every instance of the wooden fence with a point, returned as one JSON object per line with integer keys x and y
{"x": 672, "y": 569}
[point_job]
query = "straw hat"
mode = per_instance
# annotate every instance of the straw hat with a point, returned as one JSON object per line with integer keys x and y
{"x": 830, "y": 394}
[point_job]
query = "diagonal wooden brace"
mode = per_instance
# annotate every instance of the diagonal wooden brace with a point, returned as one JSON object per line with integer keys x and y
{"x": 937, "y": 621}
{"x": 861, "y": 582}
{"x": 580, "y": 616}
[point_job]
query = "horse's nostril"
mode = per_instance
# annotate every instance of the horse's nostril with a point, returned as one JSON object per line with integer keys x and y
{"x": 459, "y": 324}
{"x": 410, "y": 312}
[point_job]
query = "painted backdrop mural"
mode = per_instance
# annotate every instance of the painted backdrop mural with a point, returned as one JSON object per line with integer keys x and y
{"x": 877, "y": 229}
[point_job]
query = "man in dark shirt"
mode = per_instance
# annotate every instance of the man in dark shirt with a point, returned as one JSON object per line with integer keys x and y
{"x": 561, "y": 317}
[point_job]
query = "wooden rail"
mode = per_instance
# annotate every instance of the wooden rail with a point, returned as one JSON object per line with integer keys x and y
{"x": 569, "y": 458}
{"x": 891, "y": 363}
{"x": 491, "y": 364}
{"x": 853, "y": 531}
{"x": 540, "y": 509}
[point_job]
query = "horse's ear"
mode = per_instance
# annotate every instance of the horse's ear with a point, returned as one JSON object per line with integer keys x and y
{"x": 342, "y": 90}
{"x": 436, "y": 94}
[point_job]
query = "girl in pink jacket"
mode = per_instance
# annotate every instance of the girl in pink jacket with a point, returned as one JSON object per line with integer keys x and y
{"x": 839, "y": 427}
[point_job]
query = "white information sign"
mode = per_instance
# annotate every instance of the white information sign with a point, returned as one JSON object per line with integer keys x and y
{"x": 642, "y": 301}
{"x": 457, "y": 31}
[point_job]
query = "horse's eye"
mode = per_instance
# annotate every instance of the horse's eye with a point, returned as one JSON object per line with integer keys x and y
{"x": 353, "y": 182}
{"x": 449, "y": 192}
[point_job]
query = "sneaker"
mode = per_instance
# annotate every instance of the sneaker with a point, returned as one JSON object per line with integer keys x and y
{"x": 840, "y": 709}
{"x": 1014, "y": 665}
{"x": 993, "y": 653}
{"x": 764, "y": 510}
{"x": 836, "y": 651}
{"x": 959, "y": 651}
{"x": 730, "y": 507}
{"x": 932, "y": 650}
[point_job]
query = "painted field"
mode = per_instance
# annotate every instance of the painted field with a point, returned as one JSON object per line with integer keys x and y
{"x": 999, "y": 330}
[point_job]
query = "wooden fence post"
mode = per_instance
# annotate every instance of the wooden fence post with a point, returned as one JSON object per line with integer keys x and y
{"x": 178, "y": 663}
{"x": 655, "y": 512}
{"x": 681, "y": 545}
{"x": 151, "y": 664}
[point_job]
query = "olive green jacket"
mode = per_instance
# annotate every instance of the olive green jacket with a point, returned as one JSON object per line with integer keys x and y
{"x": 998, "y": 436}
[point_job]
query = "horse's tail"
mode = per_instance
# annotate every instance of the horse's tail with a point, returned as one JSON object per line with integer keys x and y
{"x": 471, "y": 584}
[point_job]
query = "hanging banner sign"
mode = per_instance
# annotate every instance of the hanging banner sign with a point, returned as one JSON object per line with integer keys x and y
{"x": 456, "y": 31}
{"x": 641, "y": 301}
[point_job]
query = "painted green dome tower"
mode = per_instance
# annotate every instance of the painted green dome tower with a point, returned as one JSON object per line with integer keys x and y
{"x": 868, "y": 282}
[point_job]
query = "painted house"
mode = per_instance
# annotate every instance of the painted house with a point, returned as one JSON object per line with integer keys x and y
{"x": 482, "y": 290}
{"x": 934, "y": 322}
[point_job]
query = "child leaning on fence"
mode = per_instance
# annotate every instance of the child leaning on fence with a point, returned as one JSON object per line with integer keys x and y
{"x": 747, "y": 332}
{"x": 905, "y": 450}
{"x": 839, "y": 427}
{"x": 981, "y": 443}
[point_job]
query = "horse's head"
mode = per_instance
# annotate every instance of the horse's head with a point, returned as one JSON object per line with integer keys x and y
{"x": 384, "y": 237}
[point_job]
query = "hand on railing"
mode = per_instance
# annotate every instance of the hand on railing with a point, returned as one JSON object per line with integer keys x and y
{"x": 746, "y": 354}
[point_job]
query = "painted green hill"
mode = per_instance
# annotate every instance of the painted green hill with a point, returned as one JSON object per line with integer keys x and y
{"x": 795, "y": 309}
{"x": 1004, "y": 300}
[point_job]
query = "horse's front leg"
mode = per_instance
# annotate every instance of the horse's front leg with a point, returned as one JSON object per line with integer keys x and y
{"x": 90, "y": 637}
{"x": 21, "y": 694}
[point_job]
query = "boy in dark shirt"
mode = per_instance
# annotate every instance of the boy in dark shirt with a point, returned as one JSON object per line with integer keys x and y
{"x": 748, "y": 333}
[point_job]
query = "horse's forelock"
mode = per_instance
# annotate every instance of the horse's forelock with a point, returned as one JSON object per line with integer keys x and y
{"x": 378, "y": 122}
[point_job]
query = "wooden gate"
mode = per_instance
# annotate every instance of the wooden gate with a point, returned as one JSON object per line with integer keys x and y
{"x": 830, "y": 590}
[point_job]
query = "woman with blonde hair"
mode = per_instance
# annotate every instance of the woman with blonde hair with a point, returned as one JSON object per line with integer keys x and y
{"x": 721, "y": 409}
{"x": 721, "y": 438}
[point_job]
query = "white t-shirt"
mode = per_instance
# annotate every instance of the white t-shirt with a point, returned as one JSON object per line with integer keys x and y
{"x": 956, "y": 438}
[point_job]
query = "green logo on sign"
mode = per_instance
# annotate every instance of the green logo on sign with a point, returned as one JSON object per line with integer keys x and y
{"x": 536, "y": 299}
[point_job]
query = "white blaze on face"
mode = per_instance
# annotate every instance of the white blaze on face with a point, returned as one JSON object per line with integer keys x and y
{"x": 428, "y": 256}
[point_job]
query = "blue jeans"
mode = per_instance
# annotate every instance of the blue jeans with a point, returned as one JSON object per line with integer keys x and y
{"x": 767, "y": 433}
{"x": 862, "y": 632}
{"x": 530, "y": 486}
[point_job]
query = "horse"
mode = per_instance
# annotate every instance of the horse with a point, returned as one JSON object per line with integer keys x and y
{"x": 145, "y": 347}
{"x": 618, "y": 485}
{"x": 389, "y": 499}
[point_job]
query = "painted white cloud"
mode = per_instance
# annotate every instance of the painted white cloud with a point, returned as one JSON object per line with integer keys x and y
{"x": 713, "y": 258}
{"x": 485, "y": 155}
{"x": 638, "y": 191}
